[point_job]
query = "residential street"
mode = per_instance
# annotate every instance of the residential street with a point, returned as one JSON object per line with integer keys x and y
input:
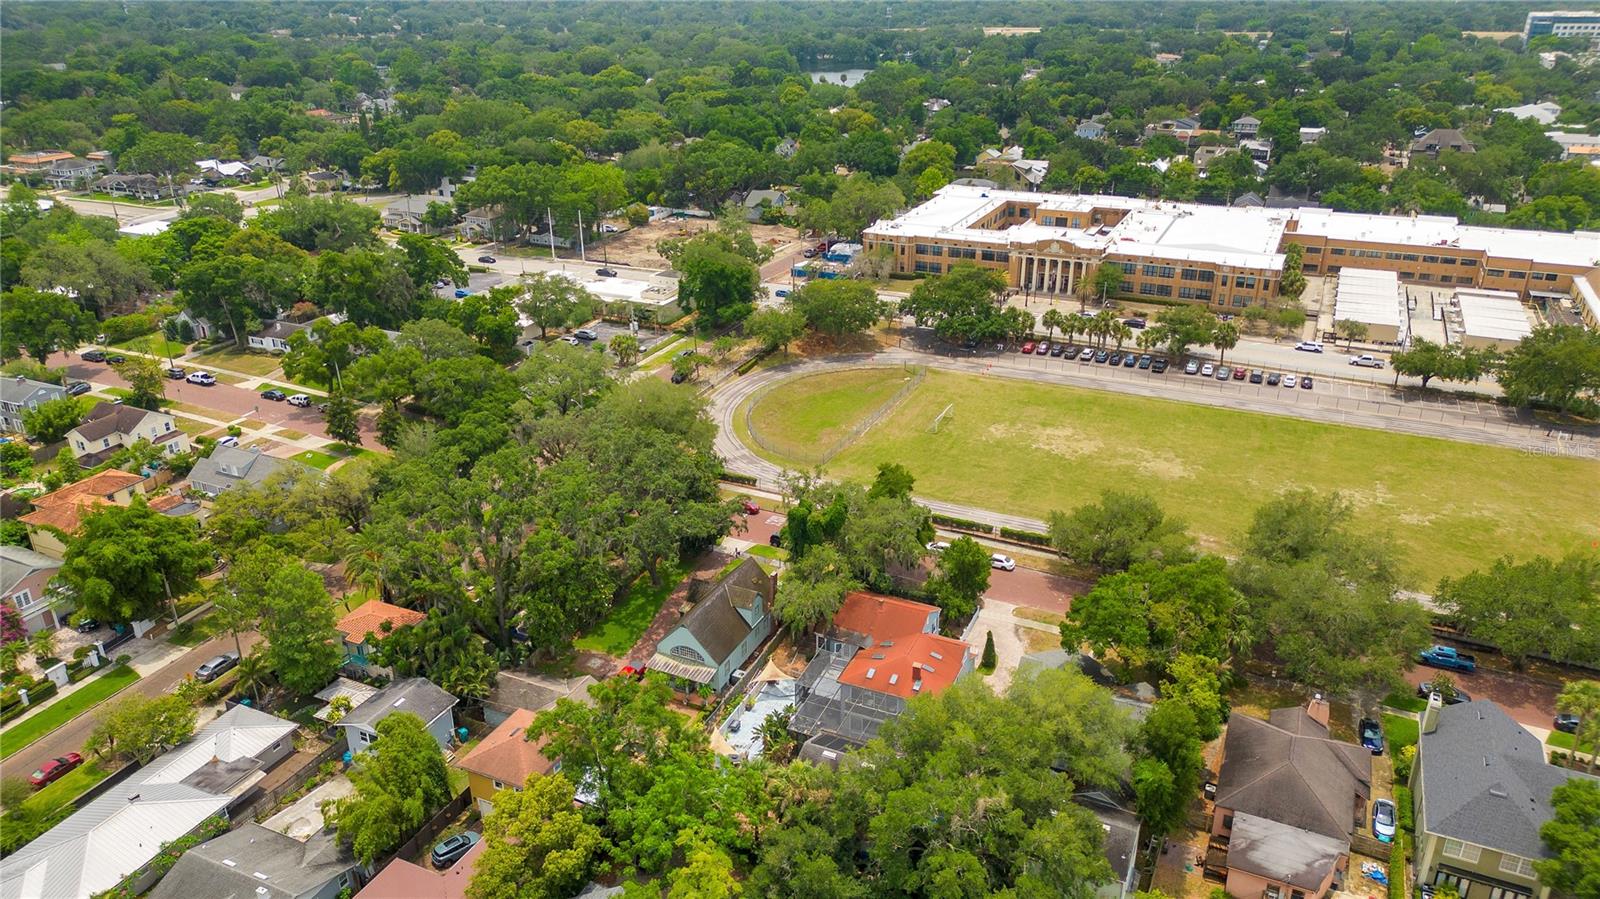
{"x": 70, "y": 736}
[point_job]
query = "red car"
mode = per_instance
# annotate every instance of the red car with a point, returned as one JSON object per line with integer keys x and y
{"x": 631, "y": 671}
{"x": 750, "y": 508}
{"x": 55, "y": 769}
{"x": 1028, "y": 347}
{"x": 1238, "y": 374}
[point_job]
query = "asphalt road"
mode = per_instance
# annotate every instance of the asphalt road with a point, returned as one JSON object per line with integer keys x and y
{"x": 70, "y": 736}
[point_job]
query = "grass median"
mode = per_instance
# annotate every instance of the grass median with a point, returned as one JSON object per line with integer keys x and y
{"x": 1030, "y": 448}
{"x": 99, "y": 688}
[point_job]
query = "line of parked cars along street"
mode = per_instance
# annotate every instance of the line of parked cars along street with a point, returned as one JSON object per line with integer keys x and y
{"x": 1158, "y": 364}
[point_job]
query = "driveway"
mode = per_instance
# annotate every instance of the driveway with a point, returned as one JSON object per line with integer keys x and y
{"x": 1010, "y": 639}
{"x": 71, "y": 736}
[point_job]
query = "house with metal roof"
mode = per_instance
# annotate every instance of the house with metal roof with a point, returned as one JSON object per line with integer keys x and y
{"x": 1481, "y": 790}
{"x": 121, "y": 831}
{"x": 728, "y": 621}
{"x": 110, "y": 427}
{"x": 1288, "y": 799}
{"x": 416, "y": 695}
{"x": 875, "y": 655}
{"x": 256, "y": 863}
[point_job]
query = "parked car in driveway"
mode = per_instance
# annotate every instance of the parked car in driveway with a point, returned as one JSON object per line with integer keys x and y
{"x": 1456, "y": 697}
{"x": 1002, "y": 562}
{"x": 176, "y": 374}
{"x": 300, "y": 400}
{"x": 1567, "y": 723}
{"x": 228, "y": 440}
{"x": 116, "y": 360}
{"x": 78, "y": 388}
{"x": 1308, "y": 346}
{"x": 215, "y": 667}
{"x": 937, "y": 546}
{"x": 203, "y": 378}
{"x": 1371, "y": 735}
{"x": 93, "y": 356}
{"x": 749, "y": 507}
{"x": 274, "y": 394}
{"x": 1383, "y": 820}
{"x": 53, "y": 770}
{"x": 450, "y": 851}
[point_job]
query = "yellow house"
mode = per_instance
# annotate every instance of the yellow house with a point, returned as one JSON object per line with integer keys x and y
{"x": 504, "y": 760}
{"x": 56, "y": 517}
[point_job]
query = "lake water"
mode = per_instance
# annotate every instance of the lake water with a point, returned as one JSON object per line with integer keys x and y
{"x": 847, "y": 77}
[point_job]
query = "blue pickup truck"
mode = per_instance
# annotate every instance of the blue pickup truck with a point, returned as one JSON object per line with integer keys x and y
{"x": 1447, "y": 657}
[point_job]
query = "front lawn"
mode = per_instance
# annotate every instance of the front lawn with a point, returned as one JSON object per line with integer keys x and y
{"x": 315, "y": 459}
{"x": 154, "y": 345}
{"x": 1405, "y": 702}
{"x": 97, "y": 690}
{"x": 1400, "y": 732}
{"x": 291, "y": 391}
{"x": 197, "y": 630}
{"x": 628, "y": 619}
{"x": 72, "y": 785}
{"x": 243, "y": 361}
{"x": 1563, "y": 740}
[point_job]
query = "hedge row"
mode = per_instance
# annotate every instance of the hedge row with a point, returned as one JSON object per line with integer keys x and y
{"x": 41, "y": 690}
{"x": 1402, "y": 801}
{"x": 733, "y": 477}
{"x": 1397, "y": 867}
{"x": 1033, "y": 537}
{"x": 968, "y": 524}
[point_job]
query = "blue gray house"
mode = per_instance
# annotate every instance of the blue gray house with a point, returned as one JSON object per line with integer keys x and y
{"x": 729, "y": 620}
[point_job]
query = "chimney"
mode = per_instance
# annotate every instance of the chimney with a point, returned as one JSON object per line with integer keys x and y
{"x": 1430, "y": 715}
{"x": 916, "y": 675}
{"x": 1317, "y": 709}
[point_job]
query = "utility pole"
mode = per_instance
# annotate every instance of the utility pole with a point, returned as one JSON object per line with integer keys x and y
{"x": 550, "y": 229}
{"x": 581, "y": 257}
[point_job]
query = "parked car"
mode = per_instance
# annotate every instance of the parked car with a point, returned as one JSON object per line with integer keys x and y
{"x": 87, "y": 625}
{"x": 1116, "y": 359}
{"x": 810, "y": 252}
{"x": 300, "y": 400}
{"x": 1135, "y": 323}
{"x": 1101, "y": 356}
{"x": 1273, "y": 379}
{"x": 228, "y": 440}
{"x": 1371, "y": 735}
{"x": 486, "y": 259}
{"x": 1129, "y": 360}
{"x": 605, "y": 272}
{"x": 116, "y": 360}
{"x": 1057, "y": 349}
{"x": 1042, "y": 348}
{"x": 1087, "y": 354}
{"x": 679, "y": 377}
{"x": 1366, "y": 361}
{"x": 78, "y": 388}
{"x": 938, "y": 546}
{"x": 93, "y": 356}
{"x": 462, "y": 293}
{"x": 1257, "y": 376}
{"x": 1145, "y": 361}
{"x": 203, "y": 378}
{"x": 1027, "y": 347}
{"x": 1158, "y": 366}
{"x": 1567, "y": 723}
{"x": 1289, "y": 380}
{"x": 586, "y": 334}
{"x": 176, "y": 374}
{"x": 274, "y": 394}
{"x": 1238, "y": 374}
{"x": 1207, "y": 370}
{"x": 1002, "y": 562}
{"x": 634, "y": 671}
{"x": 1456, "y": 697}
{"x": 749, "y": 506}
{"x": 53, "y": 770}
{"x": 1308, "y": 346}
{"x": 1438, "y": 656}
{"x": 1305, "y": 382}
{"x": 1224, "y": 373}
{"x": 1383, "y": 820}
{"x": 450, "y": 851}
{"x": 1192, "y": 368}
{"x": 215, "y": 667}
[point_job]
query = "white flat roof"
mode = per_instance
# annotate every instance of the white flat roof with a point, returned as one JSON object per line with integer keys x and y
{"x": 1493, "y": 314}
{"x": 1370, "y": 297}
{"x": 145, "y": 229}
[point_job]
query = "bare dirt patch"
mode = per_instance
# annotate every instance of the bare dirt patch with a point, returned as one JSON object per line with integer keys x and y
{"x": 1059, "y": 440}
{"x": 636, "y": 247}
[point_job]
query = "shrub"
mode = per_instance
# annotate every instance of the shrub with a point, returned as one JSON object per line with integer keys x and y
{"x": 967, "y": 524}
{"x": 1403, "y": 760}
{"x": 1032, "y": 537}
{"x": 1402, "y": 801}
{"x": 733, "y": 477}
{"x": 126, "y": 327}
{"x": 1397, "y": 867}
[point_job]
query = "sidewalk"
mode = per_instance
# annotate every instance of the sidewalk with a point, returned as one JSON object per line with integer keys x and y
{"x": 148, "y": 657}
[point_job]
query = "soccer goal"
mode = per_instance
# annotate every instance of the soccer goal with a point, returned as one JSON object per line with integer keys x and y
{"x": 939, "y": 419}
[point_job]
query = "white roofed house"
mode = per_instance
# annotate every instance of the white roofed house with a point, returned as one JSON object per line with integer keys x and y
{"x": 405, "y": 214}
{"x": 484, "y": 223}
{"x": 120, "y": 832}
{"x": 274, "y": 336}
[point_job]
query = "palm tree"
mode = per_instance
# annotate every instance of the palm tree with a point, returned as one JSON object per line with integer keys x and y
{"x": 1052, "y": 319}
{"x": 363, "y": 560}
{"x": 1148, "y": 339}
{"x": 1582, "y": 698}
{"x": 42, "y": 644}
{"x": 253, "y": 673}
{"x": 1104, "y": 323}
{"x": 776, "y": 740}
{"x": 1225, "y": 338}
{"x": 1121, "y": 331}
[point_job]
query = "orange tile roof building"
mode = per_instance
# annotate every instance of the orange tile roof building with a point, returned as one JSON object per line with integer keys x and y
{"x": 57, "y": 516}
{"x": 876, "y": 655}
{"x": 364, "y": 626}
{"x": 504, "y": 760}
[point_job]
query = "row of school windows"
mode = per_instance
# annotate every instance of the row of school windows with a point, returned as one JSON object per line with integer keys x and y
{"x": 1394, "y": 256}
{"x": 1204, "y": 276}
{"x": 933, "y": 249}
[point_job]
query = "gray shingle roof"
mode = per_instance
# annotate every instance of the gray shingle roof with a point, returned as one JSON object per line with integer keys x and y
{"x": 416, "y": 695}
{"x": 28, "y": 393}
{"x": 18, "y": 562}
{"x": 106, "y": 419}
{"x": 1485, "y": 780}
{"x": 230, "y": 465}
{"x": 236, "y": 864}
{"x": 1297, "y": 857}
{"x": 715, "y": 620}
{"x": 1301, "y": 779}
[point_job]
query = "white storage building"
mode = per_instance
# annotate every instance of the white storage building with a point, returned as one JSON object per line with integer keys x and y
{"x": 1375, "y": 299}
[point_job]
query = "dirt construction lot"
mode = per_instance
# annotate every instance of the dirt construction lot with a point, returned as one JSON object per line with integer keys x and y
{"x": 636, "y": 247}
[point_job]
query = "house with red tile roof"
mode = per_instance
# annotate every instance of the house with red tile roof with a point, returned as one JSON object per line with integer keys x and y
{"x": 57, "y": 516}
{"x": 877, "y": 654}
{"x": 370, "y": 622}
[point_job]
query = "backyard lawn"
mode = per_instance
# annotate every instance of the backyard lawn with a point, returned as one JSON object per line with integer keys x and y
{"x": 97, "y": 690}
{"x": 628, "y": 619}
{"x": 1030, "y": 449}
{"x": 1400, "y": 732}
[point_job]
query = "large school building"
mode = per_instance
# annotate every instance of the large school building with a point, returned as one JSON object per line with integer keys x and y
{"x": 1221, "y": 256}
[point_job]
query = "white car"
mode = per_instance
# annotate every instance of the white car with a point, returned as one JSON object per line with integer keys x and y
{"x": 1289, "y": 380}
{"x": 1002, "y": 562}
{"x": 1207, "y": 370}
{"x": 585, "y": 334}
{"x": 203, "y": 378}
{"x": 1366, "y": 361}
{"x": 229, "y": 440}
{"x": 1308, "y": 346}
{"x": 300, "y": 400}
{"x": 938, "y": 546}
